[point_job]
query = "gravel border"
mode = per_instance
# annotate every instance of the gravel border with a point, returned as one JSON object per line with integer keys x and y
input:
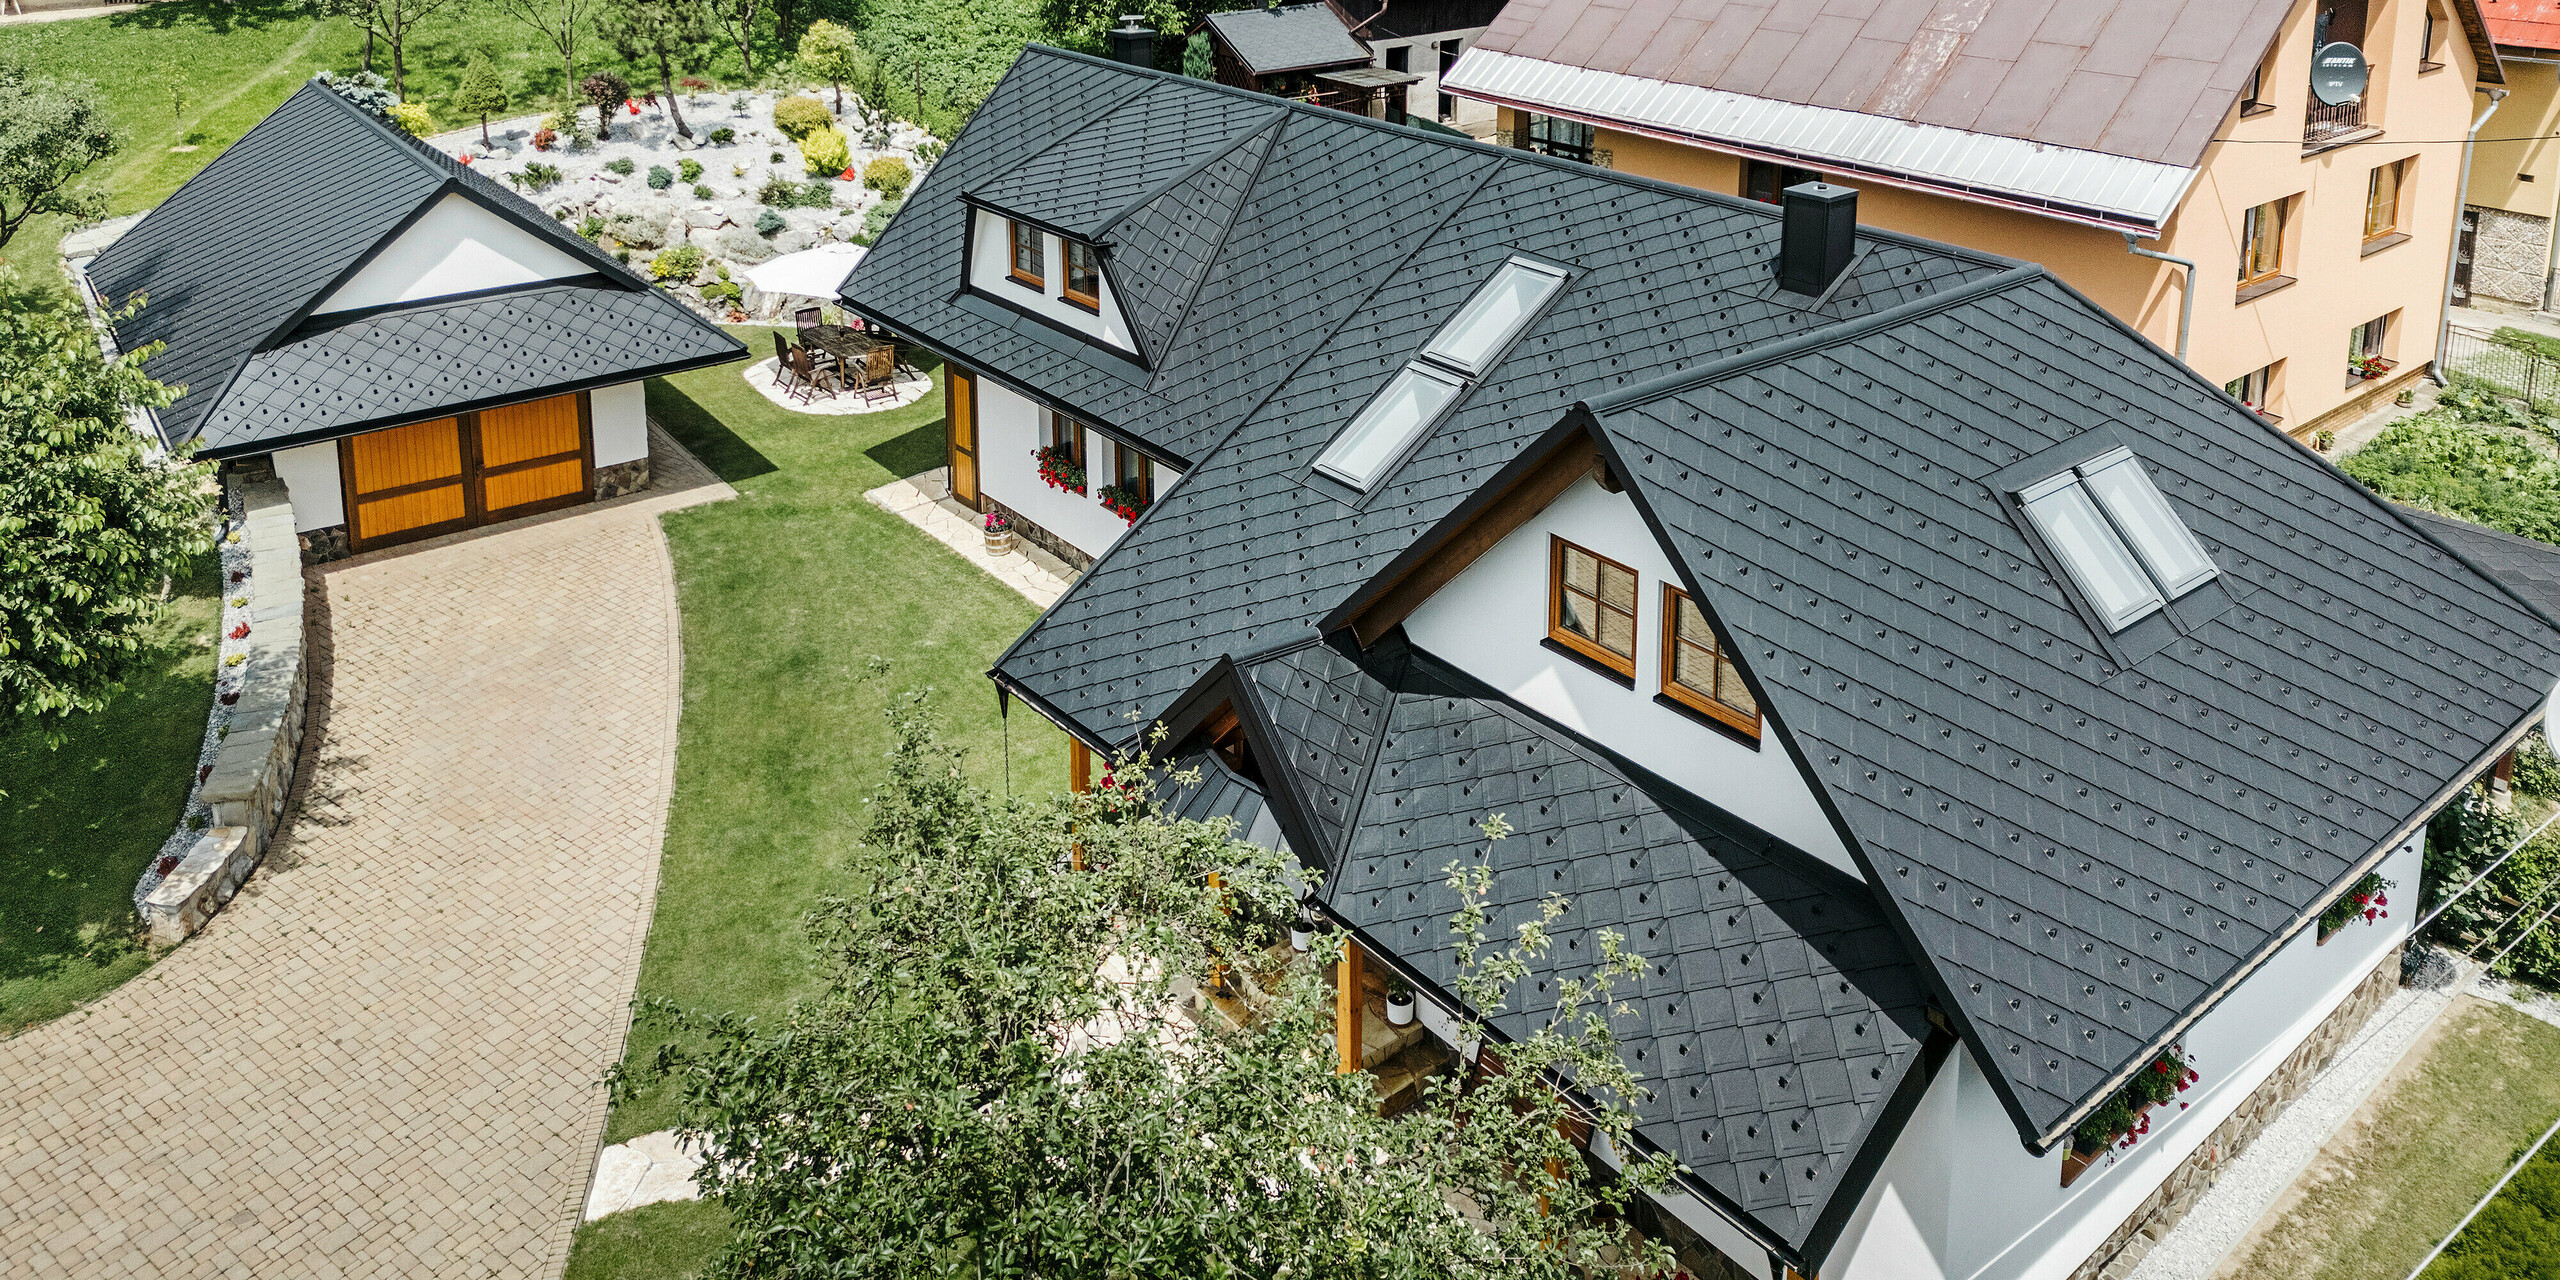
{"x": 232, "y": 540}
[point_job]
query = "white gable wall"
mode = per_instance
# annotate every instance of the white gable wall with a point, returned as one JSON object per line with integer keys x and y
{"x": 1490, "y": 619}
{"x": 1959, "y": 1198}
{"x": 310, "y": 475}
{"x": 1011, "y": 427}
{"x": 619, "y": 417}
{"x": 458, "y": 246}
{"x": 991, "y": 273}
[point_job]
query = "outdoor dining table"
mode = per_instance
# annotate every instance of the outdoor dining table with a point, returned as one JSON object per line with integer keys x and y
{"x": 847, "y": 344}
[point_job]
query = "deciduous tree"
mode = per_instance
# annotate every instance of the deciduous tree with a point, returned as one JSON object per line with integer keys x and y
{"x": 92, "y": 525}
{"x": 737, "y": 20}
{"x": 1001, "y": 1078}
{"x": 482, "y": 92}
{"x": 50, "y": 131}
{"x": 561, "y": 23}
{"x": 830, "y": 53}
{"x": 392, "y": 20}
{"x": 670, "y": 33}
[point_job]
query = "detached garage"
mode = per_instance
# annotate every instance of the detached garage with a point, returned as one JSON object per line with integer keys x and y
{"x": 411, "y": 347}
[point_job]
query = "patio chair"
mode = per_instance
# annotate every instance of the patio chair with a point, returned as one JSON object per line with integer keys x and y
{"x": 807, "y": 319}
{"x": 879, "y": 377}
{"x": 811, "y": 376}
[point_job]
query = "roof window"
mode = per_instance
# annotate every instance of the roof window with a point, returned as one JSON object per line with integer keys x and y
{"x": 1465, "y": 349}
{"x": 2124, "y": 547}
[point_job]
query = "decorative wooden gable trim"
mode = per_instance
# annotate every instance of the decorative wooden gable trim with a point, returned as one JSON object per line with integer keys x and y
{"x": 1509, "y": 507}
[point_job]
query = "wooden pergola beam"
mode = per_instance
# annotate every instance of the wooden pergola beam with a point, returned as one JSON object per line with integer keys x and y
{"x": 1346, "y": 1010}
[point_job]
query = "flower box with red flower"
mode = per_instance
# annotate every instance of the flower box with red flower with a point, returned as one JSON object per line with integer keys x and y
{"x": 1058, "y": 467}
{"x": 1123, "y": 502}
{"x": 2368, "y": 899}
{"x": 2124, "y": 1119}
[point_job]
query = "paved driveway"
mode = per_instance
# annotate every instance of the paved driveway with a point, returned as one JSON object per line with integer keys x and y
{"x": 381, "y": 1059}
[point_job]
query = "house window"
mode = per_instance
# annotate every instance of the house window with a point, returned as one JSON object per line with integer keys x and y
{"x": 2252, "y": 389}
{"x": 2253, "y": 96}
{"x": 1084, "y": 275}
{"x": 1400, "y": 58}
{"x": 1591, "y": 607}
{"x": 1767, "y": 183}
{"x": 2382, "y": 201}
{"x": 1697, "y": 666}
{"x": 1030, "y": 256}
{"x": 1067, "y": 434}
{"x": 1565, "y": 139}
{"x": 2367, "y": 345}
{"x": 2427, "y": 41}
{"x": 2262, "y": 245}
{"x": 1465, "y": 348}
{"x": 1135, "y": 474}
{"x": 2123, "y": 546}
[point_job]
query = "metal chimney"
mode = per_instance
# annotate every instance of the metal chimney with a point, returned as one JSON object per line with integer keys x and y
{"x": 1820, "y": 236}
{"x": 1132, "y": 42}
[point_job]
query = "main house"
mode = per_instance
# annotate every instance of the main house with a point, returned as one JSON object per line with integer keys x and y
{"x": 1966, "y": 710}
{"x": 2175, "y": 163}
{"x": 412, "y": 347}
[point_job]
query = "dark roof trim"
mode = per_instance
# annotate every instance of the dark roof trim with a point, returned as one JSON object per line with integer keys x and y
{"x": 325, "y": 321}
{"x": 1117, "y": 434}
{"x": 1048, "y": 711}
{"x": 252, "y": 448}
{"x": 2484, "y": 50}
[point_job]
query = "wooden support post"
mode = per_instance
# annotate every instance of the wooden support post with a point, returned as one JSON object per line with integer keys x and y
{"x": 1346, "y": 1009}
{"x": 2502, "y": 780}
{"x": 1079, "y": 766}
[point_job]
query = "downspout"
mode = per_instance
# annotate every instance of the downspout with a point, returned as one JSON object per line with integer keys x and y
{"x": 2186, "y": 293}
{"x": 2453, "y": 246}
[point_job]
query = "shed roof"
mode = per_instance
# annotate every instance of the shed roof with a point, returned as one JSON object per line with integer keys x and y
{"x": 2523, "y": 24}
{"x": 1279, "y": 38}
{"x": 235, "y": 261}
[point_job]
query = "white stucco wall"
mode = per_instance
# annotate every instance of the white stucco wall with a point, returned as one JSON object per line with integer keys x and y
{"x": 619, "y": 417}
{"x": 1959, "y": 1198}
{"x": 1489, "y": 620}
{"x": 990, "y": 273}
{"x": 1422, "y": 98}
{"x": 1010, "y": 427}
{"x": 457, "y": 247}
{"x": 310, "y": 475}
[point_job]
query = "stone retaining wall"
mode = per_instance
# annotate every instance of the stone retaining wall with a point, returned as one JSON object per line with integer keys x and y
{"x": 2179, "y": 1192}
{"x": 253, "y": 769}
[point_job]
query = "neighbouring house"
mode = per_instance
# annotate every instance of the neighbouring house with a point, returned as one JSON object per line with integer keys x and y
{"x": 2506, "y": 258}
{"x": 1386, "y": 65}
{"x": 1967, "y": 711}
{"x": 411, "y": 347}
{"x": 2087, "y": 137}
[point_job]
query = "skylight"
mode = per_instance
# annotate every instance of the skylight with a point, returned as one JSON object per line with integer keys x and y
{"x": 1496, "y": 315}
{"x": 2124, "y": 547}
{"x": 1413, "y": 400}
{"x": 1464, "y": 350}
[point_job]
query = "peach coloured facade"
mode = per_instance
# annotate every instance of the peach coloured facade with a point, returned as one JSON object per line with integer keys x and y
{"x": 2301, "y": 330}
{"x": 2520, "y": 178}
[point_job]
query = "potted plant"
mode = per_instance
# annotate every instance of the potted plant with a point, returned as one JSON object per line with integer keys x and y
{"x": 2368, "y": 899}
{"x": 999, "y": 531}
{"x": 1302, "y": 931}
{"x": 2324, "y": 439}
{"x": 2124, "y": 1119}
{"x": 2406, "y": 398}
{"x": 2370, "y": 367}
{"x": 1058, "y": 467}
{"x": 1122, "y": 501}
{"x": 1399, "y": 1003}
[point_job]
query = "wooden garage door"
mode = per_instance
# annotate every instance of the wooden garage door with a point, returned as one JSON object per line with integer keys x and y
{"x": 433, "y": 477}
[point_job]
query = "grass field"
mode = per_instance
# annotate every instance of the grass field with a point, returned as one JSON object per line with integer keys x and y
{"x": 2407, "y": 1169}
{"x": 79, "y": 822}
{"x": 666, "y": 1241}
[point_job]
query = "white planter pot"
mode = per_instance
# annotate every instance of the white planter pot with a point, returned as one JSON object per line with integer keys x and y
{"x": 1400, "y": 1009}
{"x": 1301, "y": 939}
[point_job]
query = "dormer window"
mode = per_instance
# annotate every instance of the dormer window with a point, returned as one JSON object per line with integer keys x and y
{"x": 1698, "y": 670}
{"x": 1084, "y": 275}
{"x": 1591, "y": 607}
{"x": 1030, "y": 255}
{"x": 2125, "y": 549}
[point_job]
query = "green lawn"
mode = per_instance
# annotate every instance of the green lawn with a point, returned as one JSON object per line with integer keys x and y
{"x": 78, "y": 823}
{"x": 665, "y": 1241}
{"x": 2381, "y": 1194}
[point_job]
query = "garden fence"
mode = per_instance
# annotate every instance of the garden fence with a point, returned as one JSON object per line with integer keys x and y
{"x": 2518, "y": 372}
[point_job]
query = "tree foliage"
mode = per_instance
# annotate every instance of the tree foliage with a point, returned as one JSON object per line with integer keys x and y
{"x": 483, "y": 92}
{"x": 51, "y": 130}
{"x": 560, "y": 23}
{"x": 830, "y": 53}
{"x": 91, "y": 525}
{"x": 1002, "y": 1077}
{"x": 2466, "y": 836}
{"x": 738, "y": 20}
{"x": 669, "y": 33}
{"x": 393, "y": 21}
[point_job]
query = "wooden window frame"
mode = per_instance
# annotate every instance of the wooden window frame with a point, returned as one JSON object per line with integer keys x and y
{"x": 1064, "y": 430}
{"x": 1574, "y": 642}
{"x": 2249, "y": 237}
{"x": 1779, "y": 175}
{"x": 1690, "y": 697}
{"x": 2399, "y": 200}
{"x": 1067, "y": 291}
{"x": 1014, "y": 232}
{"x": 1144, "y": 473}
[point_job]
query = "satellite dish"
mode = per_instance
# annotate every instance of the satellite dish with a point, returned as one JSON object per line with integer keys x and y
{"x": 2339, "y": 74}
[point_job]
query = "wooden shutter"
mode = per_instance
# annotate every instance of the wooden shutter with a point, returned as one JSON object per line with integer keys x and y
{"x": 407, "y": 481}
{"x": 533, "y": 455}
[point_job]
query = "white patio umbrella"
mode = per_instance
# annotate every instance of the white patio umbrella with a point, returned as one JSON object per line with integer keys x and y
{"x": 810, "y": 273}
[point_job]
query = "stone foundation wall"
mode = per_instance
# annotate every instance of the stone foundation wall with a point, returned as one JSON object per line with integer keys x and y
{"x": 253, "y": 771}
{"x": 2510, "y": 255}
{"x": 622, "y": 478}
{"x": 2376, "y": 394}
{"x": 320, "y": 546}
{"x": 2176, "y": 1194}
{"x": 1031, "y": 532}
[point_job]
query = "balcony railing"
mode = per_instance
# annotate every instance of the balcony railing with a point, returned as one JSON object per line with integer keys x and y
{"x": 2325, "y": 123}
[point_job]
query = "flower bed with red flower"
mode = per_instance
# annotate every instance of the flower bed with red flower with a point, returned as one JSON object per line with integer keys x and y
{"x": 2125, "y": 1119}
{"x": 1123, "y": 502}
{"x": 2369, "y": 898}
{"x": 1058, "y": 467}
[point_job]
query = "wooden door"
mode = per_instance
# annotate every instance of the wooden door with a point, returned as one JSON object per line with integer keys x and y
{"x": 407, "y": 482}
{"x": 960, "y": 407}
{"x": 533, "y": 456}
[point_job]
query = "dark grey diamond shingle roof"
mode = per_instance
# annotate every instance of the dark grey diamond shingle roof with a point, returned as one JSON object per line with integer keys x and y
{"x": 246, "y": 248}
{"x": 1890, "y": 613}
{"x": 1100, "y": 171}
{"x": 2530, "y": 569}
{"x": 1287, "y": 38}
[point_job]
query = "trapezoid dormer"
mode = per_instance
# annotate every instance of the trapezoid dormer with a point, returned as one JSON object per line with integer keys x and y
{"x": 458, "y": 246}
{"x": 1051, "y": 277}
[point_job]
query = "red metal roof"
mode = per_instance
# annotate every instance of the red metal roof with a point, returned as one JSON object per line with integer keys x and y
{"x": 2523, "y": 24}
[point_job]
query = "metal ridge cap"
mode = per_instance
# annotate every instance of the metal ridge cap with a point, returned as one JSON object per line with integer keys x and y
{"x": 1625, "y": 398}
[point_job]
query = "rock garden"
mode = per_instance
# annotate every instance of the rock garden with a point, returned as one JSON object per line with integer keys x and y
{"x": 763, "y": 174}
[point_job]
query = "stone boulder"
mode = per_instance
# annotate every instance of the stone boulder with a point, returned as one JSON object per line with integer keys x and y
{"x": 642, "y": 223}
{"x": 793, "y": 239}
{"x": 742, "y": 245}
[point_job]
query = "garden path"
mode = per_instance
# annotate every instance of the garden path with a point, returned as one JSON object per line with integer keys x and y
{"x": 382, "y": 1059}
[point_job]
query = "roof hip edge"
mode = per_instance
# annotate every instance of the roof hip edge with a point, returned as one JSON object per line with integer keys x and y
{"x": 1268, "y": 124}
{"x": 1814, "y": 340}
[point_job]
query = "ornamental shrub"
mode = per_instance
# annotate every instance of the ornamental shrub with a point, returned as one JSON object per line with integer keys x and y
{"x": 413, "y": 118}
{"x": 818, "y": 195}
{"x": 769, "y": 223}
{"x": 825, "y": 151}
{"x": 689, "y": 169}
{"x": 621, "y": 165}
{"x": 543, "y": 138}
{"x": 535, "y": 176}
{"x": 780, "y": 191}
{"x": 661, "y": 177}
{"x": 678, "y": 263}
{"x": 877, "y": 220}
{"x": 888, "y": 175}
{"x": 592, "y": 227}
{"x": 2537, "y": 774}
{"x": 799, "y": 117}
{"x": 724, "y": 135}
{"x": 2517, "y": 1237}
{"x": 701, "y": 192}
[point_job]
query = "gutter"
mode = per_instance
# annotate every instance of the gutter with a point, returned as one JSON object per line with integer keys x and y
{"x": 2187, "y": 294}
{"x": 2453, "y": 245}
